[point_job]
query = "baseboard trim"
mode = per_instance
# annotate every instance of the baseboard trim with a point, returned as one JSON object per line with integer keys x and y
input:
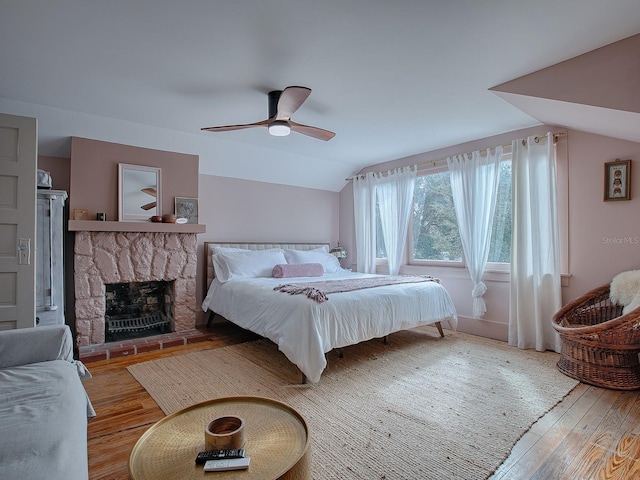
{"x": 483, "y": 328}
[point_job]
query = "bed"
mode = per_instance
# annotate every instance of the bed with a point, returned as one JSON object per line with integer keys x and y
{"x": 303, "y": 328}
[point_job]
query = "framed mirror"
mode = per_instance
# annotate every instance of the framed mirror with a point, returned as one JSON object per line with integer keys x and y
{"x": 139, "y": 189}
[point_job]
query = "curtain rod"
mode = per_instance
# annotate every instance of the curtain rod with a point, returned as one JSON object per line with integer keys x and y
{"x": 444, "y": 159}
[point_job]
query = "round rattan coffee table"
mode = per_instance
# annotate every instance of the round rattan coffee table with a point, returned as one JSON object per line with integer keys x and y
{"x": 277, "y": 441}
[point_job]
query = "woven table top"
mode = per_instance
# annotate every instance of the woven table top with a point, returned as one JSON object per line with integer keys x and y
{"x": 277, "y": 437}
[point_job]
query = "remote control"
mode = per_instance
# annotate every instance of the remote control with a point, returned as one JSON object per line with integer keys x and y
{"x": 224, "y": 465}
{"x": 205, "y": 456}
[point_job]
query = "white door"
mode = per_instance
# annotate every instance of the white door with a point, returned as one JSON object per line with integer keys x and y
{"x": 18, "y": 159}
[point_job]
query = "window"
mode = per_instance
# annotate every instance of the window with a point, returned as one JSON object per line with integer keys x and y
{"x": 500, "y": 249}
{"x": 435, "y": 229}
{"x": 435, "y": 236}
{"x": 381, "y": 249}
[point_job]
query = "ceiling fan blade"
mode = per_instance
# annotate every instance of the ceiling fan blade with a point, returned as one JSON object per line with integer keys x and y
{"x": 290, "y": 100}
{"x": 314, "y": 132}
{"x": 227, "y": 128}
{"x": 148, "y": 206}
{"x": 150, "y": 191}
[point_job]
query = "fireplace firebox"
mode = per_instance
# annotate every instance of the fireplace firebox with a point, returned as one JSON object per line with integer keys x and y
{"x": 138, "y": 309}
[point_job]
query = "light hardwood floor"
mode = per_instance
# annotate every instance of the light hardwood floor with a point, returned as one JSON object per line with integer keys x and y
{"x": 592, "y": 434}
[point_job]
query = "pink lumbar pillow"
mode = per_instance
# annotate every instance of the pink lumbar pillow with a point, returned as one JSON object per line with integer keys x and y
{"x": 284, "y": 270}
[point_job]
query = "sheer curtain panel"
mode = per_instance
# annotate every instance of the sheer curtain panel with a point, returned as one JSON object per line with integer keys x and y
{"x": 535, "y": 246}
{"x": 395, "y": 198}
{"x": 474, "y": 186}
{"x": 364, "y": 214}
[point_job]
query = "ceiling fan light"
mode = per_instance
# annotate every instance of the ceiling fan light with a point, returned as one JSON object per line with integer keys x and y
{"x": 279, "y": 128}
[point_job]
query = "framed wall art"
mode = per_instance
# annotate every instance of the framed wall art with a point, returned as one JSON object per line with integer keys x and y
{"x": 139, "y": 192}
{"x": 187, "y": 208}
{"x": 617, "y": 180}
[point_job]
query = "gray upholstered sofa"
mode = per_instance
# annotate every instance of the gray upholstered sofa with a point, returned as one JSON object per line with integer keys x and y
{"x": 43, "y": 406}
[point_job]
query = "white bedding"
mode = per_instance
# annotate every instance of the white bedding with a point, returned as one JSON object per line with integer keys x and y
{"x": 305, "y": 330}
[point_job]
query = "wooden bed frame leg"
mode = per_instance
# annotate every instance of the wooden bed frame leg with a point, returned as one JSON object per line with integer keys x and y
{"x": 384, "y": 339}
{"x": 210, "y": 319}
{"x": 304, "y": 379}
{"x": 439, "y": 327}
{"x": 340, "y": 353}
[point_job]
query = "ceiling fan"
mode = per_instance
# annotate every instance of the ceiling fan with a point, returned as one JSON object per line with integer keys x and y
{"x": 282, "y": 104}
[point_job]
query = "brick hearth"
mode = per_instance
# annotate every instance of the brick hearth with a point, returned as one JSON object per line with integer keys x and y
{"x": 124, "y": 348}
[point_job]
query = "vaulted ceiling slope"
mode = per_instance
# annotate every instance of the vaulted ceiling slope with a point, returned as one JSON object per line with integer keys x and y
{"x": 391, "y": 79}
{"x": 597, "y": 92}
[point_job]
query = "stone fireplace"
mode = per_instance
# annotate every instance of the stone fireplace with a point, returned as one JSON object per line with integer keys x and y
{"x": 102, "y": 258}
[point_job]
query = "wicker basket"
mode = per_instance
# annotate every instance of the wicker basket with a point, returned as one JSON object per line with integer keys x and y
{"x": 600, "y": 346}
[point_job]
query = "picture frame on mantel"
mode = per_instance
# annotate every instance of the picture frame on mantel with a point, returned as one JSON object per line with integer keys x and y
{"x": 187, "y": 208}
{"x": 139, "y": 192}
{"x": 617, "y": 180}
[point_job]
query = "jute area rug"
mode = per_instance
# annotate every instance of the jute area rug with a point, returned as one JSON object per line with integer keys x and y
{"x": 419, "y": 407}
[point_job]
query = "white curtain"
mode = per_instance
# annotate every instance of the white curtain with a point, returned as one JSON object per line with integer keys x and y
{"x": 535, "y": 260}
{"x": 395, "y": 198}
{"x": 474, "y": 186}
{"x": 364, "y": 213}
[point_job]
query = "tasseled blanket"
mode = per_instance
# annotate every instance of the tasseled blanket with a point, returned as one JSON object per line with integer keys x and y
{"x": 318, "y": 291}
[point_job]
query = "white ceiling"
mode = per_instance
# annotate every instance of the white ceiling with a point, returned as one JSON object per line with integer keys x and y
{"x": 391, "y": 78}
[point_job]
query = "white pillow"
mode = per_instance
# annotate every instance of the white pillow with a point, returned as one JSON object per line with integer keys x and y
{"x": 219, "y": 267}
{"x": 323, "y": 248}
{"x": 215, "y": 250}
{"x": 248, "y": 264}
{"x": 327, "y": 260}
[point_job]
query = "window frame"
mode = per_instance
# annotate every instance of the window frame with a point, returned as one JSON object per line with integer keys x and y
{"x": 499, "y": 267}
{"x": 424, "y": 171}
{"x": 503, "y": 266}
{"x": 501, "y": 271}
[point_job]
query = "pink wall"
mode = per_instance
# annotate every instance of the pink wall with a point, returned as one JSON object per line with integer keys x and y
{"x": 232, "y": 209}
{"x": 59, "y": 168}
{"x": 455, "y": 280}
{"x": 600, "y": 238}
{"x": 347, "y": 231}
{"x": 604, "y": 237}
{"x": 94, "y": 174}
{"x": 249, "y": 211}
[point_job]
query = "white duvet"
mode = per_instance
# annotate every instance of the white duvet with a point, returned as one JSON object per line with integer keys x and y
{"x": 305, "y": 330}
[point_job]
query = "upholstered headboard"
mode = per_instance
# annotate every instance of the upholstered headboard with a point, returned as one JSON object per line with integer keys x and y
{"x": 249, "y": 246}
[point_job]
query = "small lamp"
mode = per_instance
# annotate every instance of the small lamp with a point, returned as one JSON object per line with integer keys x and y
{"x": 339, "y": 252}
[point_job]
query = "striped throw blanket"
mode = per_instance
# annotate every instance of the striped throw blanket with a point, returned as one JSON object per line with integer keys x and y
{"x": 318, "y": 291}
